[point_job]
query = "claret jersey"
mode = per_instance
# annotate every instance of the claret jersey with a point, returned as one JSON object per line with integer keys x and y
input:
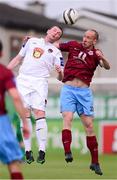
{"x": 6, "y": 82}
{"x": 81, "y": 62}
{"x": 40, "y": 57}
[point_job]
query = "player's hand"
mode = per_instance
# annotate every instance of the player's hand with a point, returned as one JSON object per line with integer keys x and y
{"x": 102, "y": 60}
{"x": 99, "y": 54}
{"x": 58, "y": 68}
{"x": 25, "y": 129}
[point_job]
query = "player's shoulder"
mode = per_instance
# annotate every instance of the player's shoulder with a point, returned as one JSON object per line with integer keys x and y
{"x": 30, "y": 40}
{"x": 94, "y": 50}
{"x": 72, "y": 43}
{"x": 53, "y": 48}
{"x": 34, "y": 39}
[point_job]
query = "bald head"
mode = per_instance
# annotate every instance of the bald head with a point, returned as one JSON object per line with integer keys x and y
{"x": 90, "y": 38}
{"x": 96, "y": 34}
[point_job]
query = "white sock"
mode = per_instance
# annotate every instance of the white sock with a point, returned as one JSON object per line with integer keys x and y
{"x": 41, "y": 133}
{"x": 27, "y": 142}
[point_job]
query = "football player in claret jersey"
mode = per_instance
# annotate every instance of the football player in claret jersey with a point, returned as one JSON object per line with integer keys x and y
{"x": 10, "y": 152}
{"x": 38, "y": 56}
{"x": 76, "y": 96}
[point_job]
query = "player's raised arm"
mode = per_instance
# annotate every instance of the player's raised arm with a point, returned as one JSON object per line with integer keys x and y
{"x": 60, "y": 72}
{"x": 19, "y": 57}
{"x": 103, "y": 61}
{"x": 14, "y": 62}
{"x": 20, "y": 109}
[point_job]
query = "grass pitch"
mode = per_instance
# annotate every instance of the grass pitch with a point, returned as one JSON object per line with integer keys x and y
{"x": 55, "y": 167}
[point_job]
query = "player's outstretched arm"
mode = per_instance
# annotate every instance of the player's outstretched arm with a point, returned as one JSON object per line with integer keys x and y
{"x": 20, "y": 109}
{"x": 103, "y": 61}
{"x": 14, "y": 62}
{"x": 60, "y": 72}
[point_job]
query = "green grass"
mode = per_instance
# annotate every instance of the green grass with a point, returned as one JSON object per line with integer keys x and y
{"x": 55, "y": 167}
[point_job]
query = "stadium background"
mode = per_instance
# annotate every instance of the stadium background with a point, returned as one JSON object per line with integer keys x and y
{"x": 12, "y": 31}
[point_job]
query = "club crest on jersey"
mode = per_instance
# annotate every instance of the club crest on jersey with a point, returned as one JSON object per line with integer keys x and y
{"x": 50, "y": 50}
{"x": 90, "y": 53}
{"x": 37, "y": 52}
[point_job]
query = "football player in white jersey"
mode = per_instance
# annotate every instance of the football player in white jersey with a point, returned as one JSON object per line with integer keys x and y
{"x": 38, "y": 56}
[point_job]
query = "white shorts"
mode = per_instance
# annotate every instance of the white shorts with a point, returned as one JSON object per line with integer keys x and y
{"x": 33, "y": 91}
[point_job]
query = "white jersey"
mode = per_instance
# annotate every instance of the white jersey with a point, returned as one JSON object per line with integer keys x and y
{"x": 40, "y": 57}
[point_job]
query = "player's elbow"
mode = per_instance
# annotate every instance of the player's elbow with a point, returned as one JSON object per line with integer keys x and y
{"x": 107, "y": 67}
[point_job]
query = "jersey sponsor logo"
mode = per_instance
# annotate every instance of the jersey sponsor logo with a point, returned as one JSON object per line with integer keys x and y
{"x": 82, "y": 57}
{"x": 90, "y": 53}
{"x": 34, "y": 43}
{"x": 37, "y": 52}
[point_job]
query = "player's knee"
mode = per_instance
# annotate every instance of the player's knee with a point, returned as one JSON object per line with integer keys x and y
{"x": 89, "y": 128}
{"x": 41, "y": 124}
{"x": 39, "y": 113}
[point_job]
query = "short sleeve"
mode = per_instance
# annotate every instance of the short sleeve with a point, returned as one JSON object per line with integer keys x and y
{"x": 24, "y": 49}
{"x": 9, "y": 80}
{"x": 59, "y": 59}
{"x": 64, "y": 46}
